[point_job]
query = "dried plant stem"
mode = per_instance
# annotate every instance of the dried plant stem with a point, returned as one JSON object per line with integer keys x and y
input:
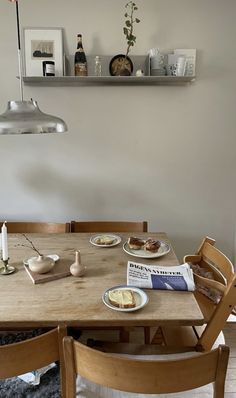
{"x": 31, "y": 245}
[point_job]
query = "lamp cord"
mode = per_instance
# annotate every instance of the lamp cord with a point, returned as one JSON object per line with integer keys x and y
{"x": 18, "y": 24}
{"x": 19, "y": 51}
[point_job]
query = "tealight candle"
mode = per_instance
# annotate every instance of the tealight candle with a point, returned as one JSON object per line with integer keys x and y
{"x": 4, "y": 242}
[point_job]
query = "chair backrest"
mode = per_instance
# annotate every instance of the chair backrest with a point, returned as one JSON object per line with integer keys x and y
{"x": 34, "y": 353}
{"x": 109, "y": 226}
{"x": 144, "y": 376}
{"x": 216, "y": 289}
{"x": 37, "y": 227}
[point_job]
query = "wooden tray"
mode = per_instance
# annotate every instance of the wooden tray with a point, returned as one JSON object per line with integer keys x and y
{"x": 60, "y": 270}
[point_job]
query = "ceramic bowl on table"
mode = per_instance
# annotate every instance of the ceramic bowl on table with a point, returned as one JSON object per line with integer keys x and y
{"x": 41, "y": 264}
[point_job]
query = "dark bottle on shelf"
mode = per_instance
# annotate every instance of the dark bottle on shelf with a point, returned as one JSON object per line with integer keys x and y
{"x": 48, "y": 68}
{"x": 80, "y": 59}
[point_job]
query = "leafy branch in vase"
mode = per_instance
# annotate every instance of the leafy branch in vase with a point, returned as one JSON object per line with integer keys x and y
{"x": 129, "y": 25}
{"x": 31, "y": 245}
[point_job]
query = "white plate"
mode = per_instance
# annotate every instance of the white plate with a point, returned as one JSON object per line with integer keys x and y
{"x": 141, "y": 298}
{"x": 117, "y": 240}
{"x": 163, "y": 249}
{"x": 55, "y": 257}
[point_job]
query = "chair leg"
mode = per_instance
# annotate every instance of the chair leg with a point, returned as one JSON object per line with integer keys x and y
{"x": 124, "y": 335}
{"x": 147, "y": 339}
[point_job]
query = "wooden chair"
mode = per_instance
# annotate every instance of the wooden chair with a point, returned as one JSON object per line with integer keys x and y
{"x": 34, "y": 353}
{"x": 109, "y": 226}
{"x": 37, "y": 227}
{"x": 145, "y": 376}
{"x": 214, "y": 276}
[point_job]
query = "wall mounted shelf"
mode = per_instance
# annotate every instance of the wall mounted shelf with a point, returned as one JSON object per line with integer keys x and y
{"x": 107, "y": 80}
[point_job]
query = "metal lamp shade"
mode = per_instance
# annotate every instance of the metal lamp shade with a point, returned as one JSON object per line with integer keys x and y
{"x": 25, "y": 117}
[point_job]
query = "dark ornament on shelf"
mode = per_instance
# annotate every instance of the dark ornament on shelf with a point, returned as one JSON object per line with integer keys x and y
{"x": 121, "y": 65}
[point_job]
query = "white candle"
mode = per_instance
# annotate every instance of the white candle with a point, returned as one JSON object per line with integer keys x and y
{"x": 4, "y": 242}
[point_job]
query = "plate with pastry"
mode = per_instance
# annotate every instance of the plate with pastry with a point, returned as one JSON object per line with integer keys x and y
{"x": 125, "y": 298}
{"x": 149, "y": 248}
{"x": 105, "y": 240}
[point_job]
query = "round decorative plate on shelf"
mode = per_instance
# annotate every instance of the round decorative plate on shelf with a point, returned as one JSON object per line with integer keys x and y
{"x": 105, "y": 240}
{"x": 140, "y": 296}
{"x": 163, "y": 249}
{"x": 121, "y": 65}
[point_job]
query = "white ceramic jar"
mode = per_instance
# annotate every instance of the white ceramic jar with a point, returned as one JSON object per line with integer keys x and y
{"x": 41, "y": 264}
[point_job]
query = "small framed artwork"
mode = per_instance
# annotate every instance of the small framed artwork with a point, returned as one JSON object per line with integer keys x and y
{"x": 42, "y": 44}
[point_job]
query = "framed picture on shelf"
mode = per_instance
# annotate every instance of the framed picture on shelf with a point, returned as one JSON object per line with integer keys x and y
{"x": 42, "y": 44}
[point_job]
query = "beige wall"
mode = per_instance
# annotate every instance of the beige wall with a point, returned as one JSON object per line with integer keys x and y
{"x": 164, "y": 154}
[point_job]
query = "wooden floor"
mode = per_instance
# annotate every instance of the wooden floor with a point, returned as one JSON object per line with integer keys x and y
{"x": 230, "y": 339}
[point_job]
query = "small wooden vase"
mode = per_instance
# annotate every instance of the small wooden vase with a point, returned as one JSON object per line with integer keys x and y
{"x": 77, "y": 269}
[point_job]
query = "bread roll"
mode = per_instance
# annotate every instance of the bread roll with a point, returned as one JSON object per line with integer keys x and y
{"x": 152, "y": 245}
{"x": 135, "y": 243}
{"x": 104, "y": 240}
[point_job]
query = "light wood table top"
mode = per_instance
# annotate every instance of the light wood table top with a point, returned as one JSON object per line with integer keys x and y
{"x": 78, "y": 301}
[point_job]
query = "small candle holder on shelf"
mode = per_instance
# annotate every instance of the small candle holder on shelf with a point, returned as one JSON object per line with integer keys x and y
{"x": 6, "y": 269}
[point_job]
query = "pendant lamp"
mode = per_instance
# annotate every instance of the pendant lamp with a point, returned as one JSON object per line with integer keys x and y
{"x": 25, "y": 117}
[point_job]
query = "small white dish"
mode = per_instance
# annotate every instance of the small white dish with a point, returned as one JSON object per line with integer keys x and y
{"x": 55, "y": 257}
{"x": 116, "y": 240}
{"x": 163, "y": 249}
{"x": 141, "y": 298}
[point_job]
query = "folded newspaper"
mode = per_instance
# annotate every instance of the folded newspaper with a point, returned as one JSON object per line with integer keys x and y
{"x": 178, "y": 277}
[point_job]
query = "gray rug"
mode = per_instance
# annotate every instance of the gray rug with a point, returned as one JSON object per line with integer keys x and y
{"x": 49, "y": 386}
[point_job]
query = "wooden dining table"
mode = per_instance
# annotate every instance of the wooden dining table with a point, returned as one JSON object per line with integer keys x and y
{"x": 77, "y": 301}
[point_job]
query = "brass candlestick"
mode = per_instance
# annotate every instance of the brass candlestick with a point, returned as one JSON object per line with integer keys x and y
{"x": 6, "y": 269}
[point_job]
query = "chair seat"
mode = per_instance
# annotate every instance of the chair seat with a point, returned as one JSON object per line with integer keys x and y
{"x": 185, "y": 336}
{"x": 87, "y": 389}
